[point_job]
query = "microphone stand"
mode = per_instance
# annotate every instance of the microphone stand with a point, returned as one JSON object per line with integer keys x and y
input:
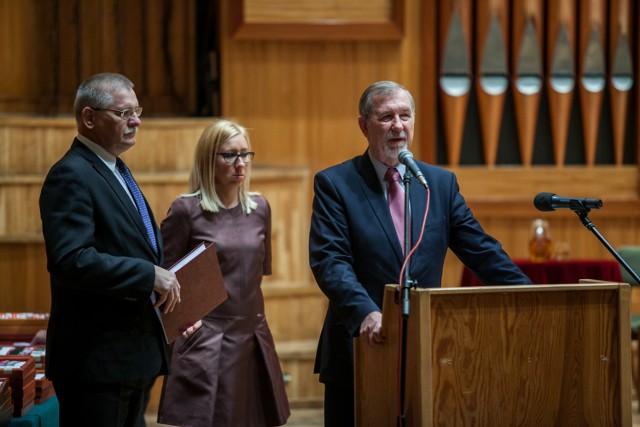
{"x": 407, "y": 283}
{"x": 583, "y": 213}
{"x": 405, "y": 286}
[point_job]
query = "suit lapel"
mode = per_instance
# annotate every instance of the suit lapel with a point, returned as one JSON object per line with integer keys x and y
{"x": 378, "y": 203}
{"x": 127, "y": 204}
{"x": 380, "y": 209}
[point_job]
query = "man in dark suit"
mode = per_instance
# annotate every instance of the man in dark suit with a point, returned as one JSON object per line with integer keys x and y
{"x": 105, "y": 344}
{"x": 354, "y": 249}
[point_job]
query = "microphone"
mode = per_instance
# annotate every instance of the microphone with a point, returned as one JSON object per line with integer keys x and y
{"x": 406, "y": 158}
{"x": 550, "y": 202}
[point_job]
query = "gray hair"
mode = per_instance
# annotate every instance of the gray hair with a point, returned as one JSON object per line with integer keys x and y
{"x": 97, "y": 91}
{"x": 384, "y": 87}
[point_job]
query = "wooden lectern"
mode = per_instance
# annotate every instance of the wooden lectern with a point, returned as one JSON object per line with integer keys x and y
{"x": 541, "y": 355}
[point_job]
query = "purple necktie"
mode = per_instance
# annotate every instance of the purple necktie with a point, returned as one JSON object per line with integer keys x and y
{"x": 395, "y": 197}
{"x": 139, "y": 199}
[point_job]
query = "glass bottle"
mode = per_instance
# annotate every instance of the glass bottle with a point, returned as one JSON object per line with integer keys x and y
{"x": 540, "y": 246}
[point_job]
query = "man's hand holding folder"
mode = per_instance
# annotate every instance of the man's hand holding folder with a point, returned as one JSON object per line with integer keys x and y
{"x": 201, "y": 290}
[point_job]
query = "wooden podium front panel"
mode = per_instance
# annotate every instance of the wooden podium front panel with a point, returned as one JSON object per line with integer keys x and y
{"x": 502, "y": 356}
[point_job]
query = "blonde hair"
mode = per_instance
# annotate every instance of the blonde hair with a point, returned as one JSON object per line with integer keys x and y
{"x": 202, "y": 181}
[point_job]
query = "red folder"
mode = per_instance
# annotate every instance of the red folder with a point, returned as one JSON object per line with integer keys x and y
{"x": 201, "y": 290}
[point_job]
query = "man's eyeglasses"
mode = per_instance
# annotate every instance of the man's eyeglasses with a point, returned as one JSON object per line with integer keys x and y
{"x": 126, "y": 114}
{"x": 232, "y": 157}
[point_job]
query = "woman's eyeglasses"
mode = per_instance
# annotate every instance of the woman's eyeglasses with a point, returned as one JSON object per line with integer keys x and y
{"x": 232, "y": 157}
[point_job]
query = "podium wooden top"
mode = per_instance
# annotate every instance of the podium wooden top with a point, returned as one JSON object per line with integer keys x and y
{"x": 586, "y": 284}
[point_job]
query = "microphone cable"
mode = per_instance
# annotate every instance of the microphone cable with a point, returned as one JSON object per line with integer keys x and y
{"x": 400, "y": 319}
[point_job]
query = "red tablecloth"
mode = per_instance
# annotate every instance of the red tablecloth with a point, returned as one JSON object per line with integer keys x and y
{"x": 558, "y": 272}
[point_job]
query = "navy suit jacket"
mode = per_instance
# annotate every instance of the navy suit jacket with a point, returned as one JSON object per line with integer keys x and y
{"x": 354, "y": 250}
{"x": 102, "y": 325}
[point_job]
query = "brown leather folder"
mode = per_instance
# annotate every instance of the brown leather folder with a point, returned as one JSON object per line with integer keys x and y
{"x": 201, "y": 290}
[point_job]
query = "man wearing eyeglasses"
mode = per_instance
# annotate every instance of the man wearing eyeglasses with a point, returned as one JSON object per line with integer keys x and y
{"x": 105, "y": 344}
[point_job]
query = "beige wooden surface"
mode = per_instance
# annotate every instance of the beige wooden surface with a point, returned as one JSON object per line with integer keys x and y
{"x": 505, "y": 355}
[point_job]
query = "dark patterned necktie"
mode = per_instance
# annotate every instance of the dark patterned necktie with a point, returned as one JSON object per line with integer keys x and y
{"x": 395, "y": 196}
{"x": 139, "y": 200}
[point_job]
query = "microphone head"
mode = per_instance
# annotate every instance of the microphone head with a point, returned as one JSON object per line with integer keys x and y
{"x": 403, "y": 154}
{"x": 542, "y": 202}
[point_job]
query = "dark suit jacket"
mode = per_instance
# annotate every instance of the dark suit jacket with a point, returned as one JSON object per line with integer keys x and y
{"x": 354, "y": 250}
{"x": 102, "y": 325}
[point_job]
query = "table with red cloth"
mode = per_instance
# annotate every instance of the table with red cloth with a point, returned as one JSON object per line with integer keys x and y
{"x": 559, "y": 271}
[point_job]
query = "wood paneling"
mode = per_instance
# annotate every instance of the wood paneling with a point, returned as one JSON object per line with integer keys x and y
{"x": 502, "y": 200}
{"x": 160, "y": 162}
{"x": 24, "y": 280}
{"x": 516, "y": 184}
{"x": 52, "y": 46}
{"x": 297, "y": 359}
{"x": 316, "y": 20}
{"x": 301, "y": 97}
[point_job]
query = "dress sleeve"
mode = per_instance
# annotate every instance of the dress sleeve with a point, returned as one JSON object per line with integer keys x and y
{"x": 176, "y": 231}
{"x": 266, "y": 267}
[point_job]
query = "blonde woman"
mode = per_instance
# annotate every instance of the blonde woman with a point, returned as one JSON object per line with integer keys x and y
{"x": 226, "y": 372}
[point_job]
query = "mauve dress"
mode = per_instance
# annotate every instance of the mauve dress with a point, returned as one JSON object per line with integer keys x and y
{"x": 227, "y": 373}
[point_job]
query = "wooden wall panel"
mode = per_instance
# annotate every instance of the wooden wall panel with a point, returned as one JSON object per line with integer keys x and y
{"x": 295, "y": 313}
{"x": 160, "y": 161}
{"x": 313, "y": 20}
{"x": 31, "y": 145}
{"x": 301, "y": 97}
{"x": 153, "y": 43}
{"x": 287, "y": 192}
{"x": 502, "y": 200}
{"x": 302, "y": 386}
{"x": 514, "y": 184}
{"x": 24, "y": 280}
{"x": 284, "y": 11}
